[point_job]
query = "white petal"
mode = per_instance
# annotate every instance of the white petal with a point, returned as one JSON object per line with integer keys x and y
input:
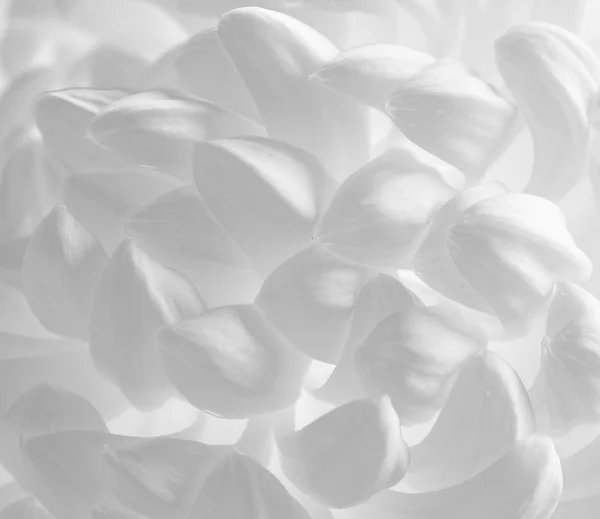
{"x": 345, "y": 457}
{"x": 311, "y": 299}
{"x": 370, "y": 74}
{"x": 158, "y": 130}
{"x": 276, "y": 55}
{"x": 267, "y": 194}
{"x": 379, "y": 213}
{"x": 61, "y": 268}
{"x": 487, "y": 413}
{"x": 232, "y": 362}
{"x": 135, "y": 298}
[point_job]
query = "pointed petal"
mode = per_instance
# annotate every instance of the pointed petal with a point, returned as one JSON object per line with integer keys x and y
{"x": 380, "y": 297}
{"x": 207, "y": 71}
{"x": 369, "y": 74}
{"x": 570, "y": 369}
{"x": 61, "y": 268}
{"x": 266, "y": 193}
{"x": 63, "y": 118}
{"x": 232, "y": 362}
{"x": 239, "y": 488}
{"x": 454, "y": 115}
{"x": 311, "y": 298}
{"x": 549, "y": 71}
{"x": 157, "y": 130}
{"x": 136, "y": 297}
{"x": 26, "y": 508}
{"x": 414, "y": 357}
{"x": 41, "y": 410}
{"x": 103, "y": 202}
{"x": 379, "y": 213}
{"x": 346, "y": 456}
{"x": 179, "y": 231}
{"x": 488, "y": 412}
{"x": 525, "y": 483}
{"x": 276, "y": 55}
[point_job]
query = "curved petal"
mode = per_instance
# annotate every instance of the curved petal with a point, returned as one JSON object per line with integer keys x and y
{"x": 380, "y": 296}
{"x": 311, "y": 298}
{"x": 42, "y": 410}
{"x": 369, "y": 74}
{"x": 525, "y": 483}
{"x": 548, "y": 70}
{"x": 179, "y": 231}
{"x": 267, "y": 194}
{"x": 454, "y": 115}
{"x": 135, "y": 298}
{"x": 414, "y": 356}
{"x": 26, "y": 508}
{"x": 379, "y": 213}
{"x": 158, "y": 130}
{"x": 346, "y": 456}
{"x": 232, "y": 362}
{"x": 103, "y": 202}
{"x": 570, "y": 369}
{"x": 61, "y": 268}
{"x": 239, "y": 488}
{"x": 487, "y": 413}
{"x": 207, "y": 71}
{"x": 63, "y": 118}
{"x": 276, "y": 55}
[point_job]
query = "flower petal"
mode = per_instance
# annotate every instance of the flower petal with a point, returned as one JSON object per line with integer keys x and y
{"x": 63, "y": 118}
{"x": 276, "y": 55}
{"x": 525, "y": 483}
{"x": 232, "y": 362}
{"x": 570, "y": 369}
{"x": 345, "y": 457}
{"x": 413, "y": 356}
{"x": 61, "y": 268}
{"x": 379, "y": 212}
{"x": 487, "y": 413}
{"x": 239, "y": 488}
{"x": 311, "y": 298}
{"x": 369, "y": 74}
{"x": 26, "y": 508}
{"x": 207, "y": 71}
{"x": 548, "y": 70}
{"x": 135, "y": 298}
{"x": 42, "y": 410}
{"x": 157, "y": 130}
{"x": 454, "y": 115}
{"x": 103, "y": 202}
{"x": 267, "y": 194}
{"x": 179, "y": 231}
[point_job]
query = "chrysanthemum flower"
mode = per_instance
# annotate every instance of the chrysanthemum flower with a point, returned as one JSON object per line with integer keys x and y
{"x": 305, "y": 259}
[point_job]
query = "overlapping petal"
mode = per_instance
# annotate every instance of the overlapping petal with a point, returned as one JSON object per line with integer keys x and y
{"x": 26, "y": 508}
{"x": 136, "y": 297}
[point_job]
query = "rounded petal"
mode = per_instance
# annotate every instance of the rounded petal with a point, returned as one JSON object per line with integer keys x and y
{"x": 232, "y": 362}
{"x": 61, "y": 268}
{"x": 267, "y": 194}
{"x": 379, "y": 213}
{"x": 455, "y": 116}
{"x": 179, "y": 231}
{"x": 135, "y": 298}
{"x": 311, "y": 298}
{"x": 413, "y": 356}
{"x": 276, "y": 55}
{"x": 488, "y": 412}
{"x": 158, "y": 130}
{"x": 370, "y": 74}
{"x": 346, "y": 456}
{"x": 41, "y": 410}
